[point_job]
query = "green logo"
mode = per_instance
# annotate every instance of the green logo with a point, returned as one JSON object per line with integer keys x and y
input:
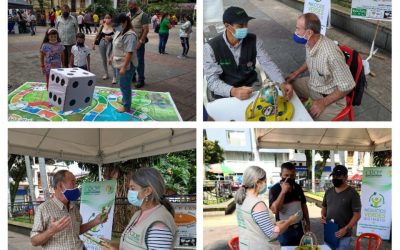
{"x": 358, "y": 12}
{"x": 241, "y": 12}
{"x": 376, "y": 200}
{"x": 223, "y": 62}
{"x": 317, "y": 1}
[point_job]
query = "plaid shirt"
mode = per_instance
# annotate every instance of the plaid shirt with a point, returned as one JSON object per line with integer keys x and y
{"x": 328, "y": 68}
{"x": 68, "y": 239}
{"x": 67, "y": 30}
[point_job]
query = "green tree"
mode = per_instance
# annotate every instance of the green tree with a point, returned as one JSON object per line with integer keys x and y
{"x": 17, "y": 171}
{"x": 212, "y": 152}
{"x": 102, "y": 7}
{"x": 325, "y": 154}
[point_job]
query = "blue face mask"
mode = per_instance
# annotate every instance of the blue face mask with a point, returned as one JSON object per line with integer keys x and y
{"x": 299, "y": 39}
{"x": 133, "y": 198}
{"x": 240, "y": 33}
{"x": 72, "y": 194}
{"x": 263, "y": 190}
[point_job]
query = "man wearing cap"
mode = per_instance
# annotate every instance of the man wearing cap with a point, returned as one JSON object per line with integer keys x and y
{"x": 341, "y": 204}
{"x": 58, "y": 223}
{"x": 285, "y": 199}
{"x": 230, "y": 58}
{"x": 330, "y": 78}
{"x": 140, "y": 23}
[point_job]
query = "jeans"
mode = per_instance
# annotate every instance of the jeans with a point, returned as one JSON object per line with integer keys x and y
{"x": 163, "y": 42}
{"x": 125, "y": 82}
{"x": 185, "y": 45}
{"x": 105, "y": 48}
{"x": 140, "y": 67}
{"x": 292, "y": 236}
{"x": 33, "y": 29}
{"x": 344, "y": 243}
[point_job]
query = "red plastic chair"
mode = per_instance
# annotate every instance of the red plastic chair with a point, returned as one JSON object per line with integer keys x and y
{"x": 348, "y": 110}
{"x": 374, "y": 241}
{"x": 234, "y": 243}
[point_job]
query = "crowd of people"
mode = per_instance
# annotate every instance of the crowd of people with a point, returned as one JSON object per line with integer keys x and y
{"x": 120, "y": 40}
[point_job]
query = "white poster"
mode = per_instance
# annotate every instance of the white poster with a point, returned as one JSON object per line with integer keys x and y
{"x": 372, "y": 9}
{"x": 185, "y": 219}
{"x": 322, "y": 8}
{"x": 98, "y": 197}
{"x": 376, "y": 199}
{"x": 213, "y": 11}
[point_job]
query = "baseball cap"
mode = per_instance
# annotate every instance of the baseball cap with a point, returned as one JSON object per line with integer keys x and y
{"x": 339, "y": 170}
{"x": 235, "y": 14}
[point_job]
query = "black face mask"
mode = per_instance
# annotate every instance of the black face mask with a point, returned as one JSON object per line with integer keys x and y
{"x": 337, "y": 182}
{"x": 65, "y": 14}
{"x": 80, "y": 44}
{"x": 290, "y": 181}
{"x": 133, "y": 11}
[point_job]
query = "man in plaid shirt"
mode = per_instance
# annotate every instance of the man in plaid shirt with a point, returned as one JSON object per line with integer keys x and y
{"x": 330, "y": 78}
{"x": 58, "y": 223}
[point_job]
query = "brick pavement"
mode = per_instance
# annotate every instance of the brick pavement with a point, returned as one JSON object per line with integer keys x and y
{"x": 165, "y": 73}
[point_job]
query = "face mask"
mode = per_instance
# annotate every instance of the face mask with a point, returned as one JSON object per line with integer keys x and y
{"x": 240, "y": 33}
{"x": 299, "y": 39}
{"x": 337, "y": 182}
{"x": 65, "y": 14}
{"x": 72, "y": 194}
{"x": 108, "y": 21}
{"x": 133, "y": 198}
{"x": 119, "y": 28}
{"x": 133, "y": 11}
{"x": 290, "y": 181}
{"x": 263, "y": 190}
{"x": 80, "y": 44}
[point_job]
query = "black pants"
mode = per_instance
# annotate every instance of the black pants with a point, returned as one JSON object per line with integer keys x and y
{"x": 87, "y": 26}
{"x": 81, "y": 29}
{"x": 67, "y": 54}
{"x": 84, "y": 67}
{"x": 292, "y": 236}
{"x": 185, "y": 45}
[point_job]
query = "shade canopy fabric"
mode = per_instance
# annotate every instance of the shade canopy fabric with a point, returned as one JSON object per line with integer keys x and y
{"x": 350, "y": 139}
{"x": 18, "y": 4}
{"x": 99, "y": 145}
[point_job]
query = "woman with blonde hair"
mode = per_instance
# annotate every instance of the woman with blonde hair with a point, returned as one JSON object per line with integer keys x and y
{"x": 152, "y": 226}
{"x": 257, "y": 227}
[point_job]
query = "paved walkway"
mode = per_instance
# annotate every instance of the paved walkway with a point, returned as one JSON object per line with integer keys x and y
{"x": 275, "y": 23}
{"x": 164, "y": 73}
{"x": 18, "y": 241}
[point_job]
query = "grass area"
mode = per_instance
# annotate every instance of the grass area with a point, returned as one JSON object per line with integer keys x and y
{"x": 215, "y": 202}
{"x": 344, "y": 3}
{"x": 24, "y": 219}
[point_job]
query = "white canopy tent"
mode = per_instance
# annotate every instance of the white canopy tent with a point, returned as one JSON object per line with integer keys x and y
{"x": 98, "y": 145}
{"x": 350, "y": 139}
{"x": 95, "y": 145}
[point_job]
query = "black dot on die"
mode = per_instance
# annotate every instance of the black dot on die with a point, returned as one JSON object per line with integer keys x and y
{"x": 70, "y": 74}
{"x": 85, "y": 73}
{"x": 62, "y": 82}
{"x": 75, "y": 84}
{"x": 59, "y": 101}
{"x": 52, "y": 77}
{"x": 50, "y": 95}
{"x": 54, "y": 97}
{"x": 87, "y": 99}
{"x": 90, "y": 83}
{"x": 57, "y": 79}
{"x": 72, "y": 102}
{"x": 75, "y": 68}
{"x": 60, "y": 69}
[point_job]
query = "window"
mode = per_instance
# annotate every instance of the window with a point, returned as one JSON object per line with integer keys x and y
{"x": 236, "y": 138}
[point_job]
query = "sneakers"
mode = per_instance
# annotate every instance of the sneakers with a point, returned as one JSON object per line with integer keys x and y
{"x": 181, "y": 57}
{"x": 105, "y": 77}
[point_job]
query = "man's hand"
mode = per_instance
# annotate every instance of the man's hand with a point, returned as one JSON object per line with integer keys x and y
{"x": 323, "y": 219}
{"x": 285, "y": 186}
{"x": 59, "y": 225}
{"x": 307, "y": 227}
{"x": 317, "y": 108}
{"x": 291, "y": 77}
{"x": 242, "y": 93}
{"x": 101, "y": 218}
{"x": 342, "y": 232}
{"x": 287, "y": 90}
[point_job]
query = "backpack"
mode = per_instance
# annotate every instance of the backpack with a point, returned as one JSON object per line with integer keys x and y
{"x": 354, "y": 61}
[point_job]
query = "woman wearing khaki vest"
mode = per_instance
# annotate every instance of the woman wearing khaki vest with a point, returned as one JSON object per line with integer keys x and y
{"x": 257, "y": 227}
{"x": 153, "y": 226}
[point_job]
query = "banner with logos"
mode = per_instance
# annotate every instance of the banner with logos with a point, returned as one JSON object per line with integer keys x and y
{"x": 322, "y": 8}
{"x": 372, "y": 9}
{"x": 376, "y": 200}
{"x": 185, "y": 219}
{"x": 98, "y": 198}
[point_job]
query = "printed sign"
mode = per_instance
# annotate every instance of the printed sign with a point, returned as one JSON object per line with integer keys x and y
{"x": 321, "y": 8}
{"x": 372, "y": 9}
{"x": 185, "y": 219}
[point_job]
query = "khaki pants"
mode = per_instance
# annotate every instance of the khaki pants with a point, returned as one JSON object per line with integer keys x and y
{"x": 300, "y": 85}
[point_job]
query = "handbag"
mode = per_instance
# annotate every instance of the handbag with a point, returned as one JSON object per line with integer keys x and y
{"x": 308, "y": 242}
{"x": 98, "y": 37}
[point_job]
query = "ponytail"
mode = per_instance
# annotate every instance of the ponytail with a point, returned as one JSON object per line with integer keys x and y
{"x": 251, "y": 176}
{"x": 165, "y": 202}
{"x": 240, "y": 195}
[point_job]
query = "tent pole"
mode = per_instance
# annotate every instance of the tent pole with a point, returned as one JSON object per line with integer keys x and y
{"x": 43, "y": 176}
{"x": 100, "y": 170}
{"x": 313, "y": 171}
{"x": 254, "y": 145}
{"x": 30, "y": 178}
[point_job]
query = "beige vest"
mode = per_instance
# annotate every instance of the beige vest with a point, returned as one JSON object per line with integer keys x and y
{"x": 250, "y": 234}
{"x": 118, "y": 50}
{"x": 136, "y": 238}
{"x": 136, "y": 21}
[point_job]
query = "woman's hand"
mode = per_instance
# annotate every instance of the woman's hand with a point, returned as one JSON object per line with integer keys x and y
{"x": 122, "y": 71}
{"x": 94, "y": 47}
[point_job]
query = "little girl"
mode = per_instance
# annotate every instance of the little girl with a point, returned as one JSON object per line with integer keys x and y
{"x": 51, "y": 53}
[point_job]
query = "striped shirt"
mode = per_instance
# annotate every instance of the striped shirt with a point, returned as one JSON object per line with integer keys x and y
{"x": 264, "y": 222}
{"x": 213, "y": 70}
{"x": 328, "y": 68}
{"x": 159, "y": 239}
{"x": 68, "y": 239}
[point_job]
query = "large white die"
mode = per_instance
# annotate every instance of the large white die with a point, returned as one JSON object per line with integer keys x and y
{"x": 71, "y": 88}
